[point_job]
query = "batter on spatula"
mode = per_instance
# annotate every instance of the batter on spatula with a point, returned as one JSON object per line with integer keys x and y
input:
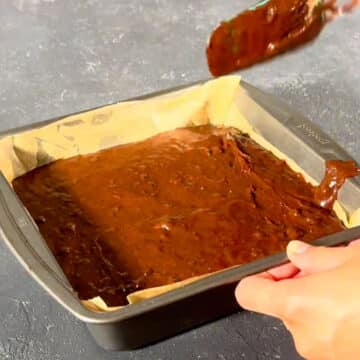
{"x": 267, "y": 29}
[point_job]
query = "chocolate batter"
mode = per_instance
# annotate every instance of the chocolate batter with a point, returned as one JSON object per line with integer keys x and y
{"x": 268, "y": 29}
{"x": 337, "y": 172}
{"x": 183, "y": 203}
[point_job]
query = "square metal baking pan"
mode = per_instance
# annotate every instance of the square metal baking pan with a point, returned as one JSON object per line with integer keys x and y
{"x": 160, "y": 317}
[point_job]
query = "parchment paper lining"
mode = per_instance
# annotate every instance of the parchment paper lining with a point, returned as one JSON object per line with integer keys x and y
{"x": 134, "y": 121}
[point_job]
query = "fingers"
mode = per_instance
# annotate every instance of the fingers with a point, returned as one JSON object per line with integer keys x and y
{"x": 356, "y": 242}
{"x": 262, "y": 294}
{"x": 269, "y": 293}
{"x": 313, "y": 259}
{"x": 286, "y": 271}
{"x": 289, "y": 270}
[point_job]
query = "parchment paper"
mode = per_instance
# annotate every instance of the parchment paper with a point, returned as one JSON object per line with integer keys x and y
{"x": 127, "y": 122}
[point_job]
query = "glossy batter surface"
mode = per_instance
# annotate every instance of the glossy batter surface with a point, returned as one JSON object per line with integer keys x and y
{"x": 337, "y": 171}
{"x": 183, "y": 203}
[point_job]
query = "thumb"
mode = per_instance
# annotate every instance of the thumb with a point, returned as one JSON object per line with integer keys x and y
{"x": 312, "y": 259}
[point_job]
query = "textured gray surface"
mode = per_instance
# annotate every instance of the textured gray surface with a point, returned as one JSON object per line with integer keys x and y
{"x": 61, "y": 56}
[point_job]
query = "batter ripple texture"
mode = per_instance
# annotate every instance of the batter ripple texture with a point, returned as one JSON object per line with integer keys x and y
{"x": 183, "y": 203}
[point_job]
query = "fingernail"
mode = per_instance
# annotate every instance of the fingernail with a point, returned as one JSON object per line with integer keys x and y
{"x": 297, "y": 247}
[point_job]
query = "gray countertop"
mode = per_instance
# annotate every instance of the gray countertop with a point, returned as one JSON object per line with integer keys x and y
{"x": 62, "y": 56}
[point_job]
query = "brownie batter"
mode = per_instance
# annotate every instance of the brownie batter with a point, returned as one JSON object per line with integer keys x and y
{"x": 336, "y": 173}
{"x": 183, "y": 203}
{"x": 259, "y": 33}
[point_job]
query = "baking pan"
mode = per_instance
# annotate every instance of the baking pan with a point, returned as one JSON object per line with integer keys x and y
{"x": 165, "y": 315}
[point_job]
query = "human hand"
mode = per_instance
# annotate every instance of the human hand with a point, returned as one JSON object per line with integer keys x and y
{"x": 317, "y": 296}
